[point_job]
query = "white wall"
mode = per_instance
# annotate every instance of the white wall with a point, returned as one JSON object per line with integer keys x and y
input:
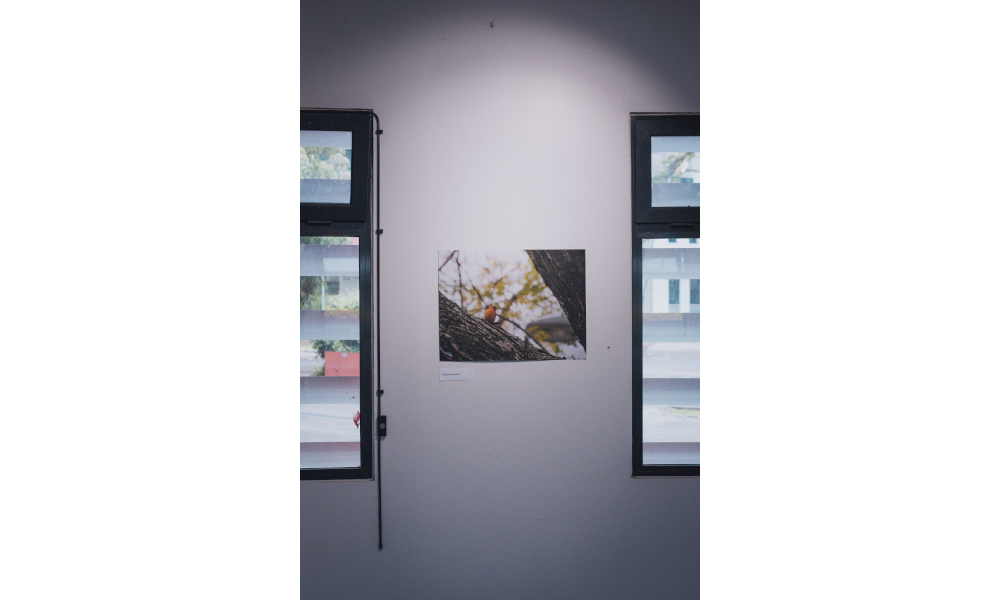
{"x": 517, "y": 484}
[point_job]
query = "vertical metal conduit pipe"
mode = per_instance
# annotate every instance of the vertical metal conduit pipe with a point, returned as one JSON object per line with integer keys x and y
{"x": 378, "y": 310}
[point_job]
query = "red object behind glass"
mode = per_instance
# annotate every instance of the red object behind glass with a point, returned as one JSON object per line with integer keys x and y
{"x": 342, "y": 364}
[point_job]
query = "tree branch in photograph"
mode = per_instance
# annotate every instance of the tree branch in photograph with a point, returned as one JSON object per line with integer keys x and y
{"x": 485, "y": 302}
{"x": 564, "y": 272}
{"x": 463, "y": 336}
{"x": 461, "y": 296}
{"x": 526, "y": 332}
{"x": 450, "y": 255}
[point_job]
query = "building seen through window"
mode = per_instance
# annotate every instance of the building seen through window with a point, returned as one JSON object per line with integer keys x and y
{"x": 671, "y": 351}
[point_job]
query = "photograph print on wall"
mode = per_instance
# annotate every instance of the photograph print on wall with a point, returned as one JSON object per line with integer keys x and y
{"x": 512, "y": 305}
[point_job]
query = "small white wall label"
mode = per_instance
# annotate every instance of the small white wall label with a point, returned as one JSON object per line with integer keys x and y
{"x": 453, "y": 374}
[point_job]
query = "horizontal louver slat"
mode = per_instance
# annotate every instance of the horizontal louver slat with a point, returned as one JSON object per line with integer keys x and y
{"x": 329, "y": 325}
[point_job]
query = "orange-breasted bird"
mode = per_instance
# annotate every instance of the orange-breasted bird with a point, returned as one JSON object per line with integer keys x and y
{"x": 491, "y": 314}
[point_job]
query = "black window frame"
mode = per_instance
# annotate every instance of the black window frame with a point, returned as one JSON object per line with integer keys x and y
{"x": 350, "y": 220}
{"x": 653, "y": 222}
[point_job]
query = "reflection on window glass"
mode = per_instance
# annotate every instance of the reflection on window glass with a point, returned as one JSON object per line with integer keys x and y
{"x": 671, "y": 351}
{"x": 676, "y": 170}
{"x": 325, "y": 167}
{"x": 329, "y": 352}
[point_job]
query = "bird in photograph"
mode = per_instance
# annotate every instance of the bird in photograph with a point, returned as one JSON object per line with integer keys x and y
{"x": 491, "y": 314}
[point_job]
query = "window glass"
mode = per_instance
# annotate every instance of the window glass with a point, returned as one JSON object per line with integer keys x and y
{"x": 671, "y": 351}
{"x": 329, "y": 352}
{"x": 676, "y": 170}
{"x": 325, "y": 167}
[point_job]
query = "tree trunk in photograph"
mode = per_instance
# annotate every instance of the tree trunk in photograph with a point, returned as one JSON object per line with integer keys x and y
{"x": 564, "y": 273}
{"x": 464, "y": 336}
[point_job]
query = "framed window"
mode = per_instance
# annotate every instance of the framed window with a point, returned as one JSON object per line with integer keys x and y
{"x": 335, "y": 295}
{"x": 666, "y": 161}
{"x": 666, "y": 295}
